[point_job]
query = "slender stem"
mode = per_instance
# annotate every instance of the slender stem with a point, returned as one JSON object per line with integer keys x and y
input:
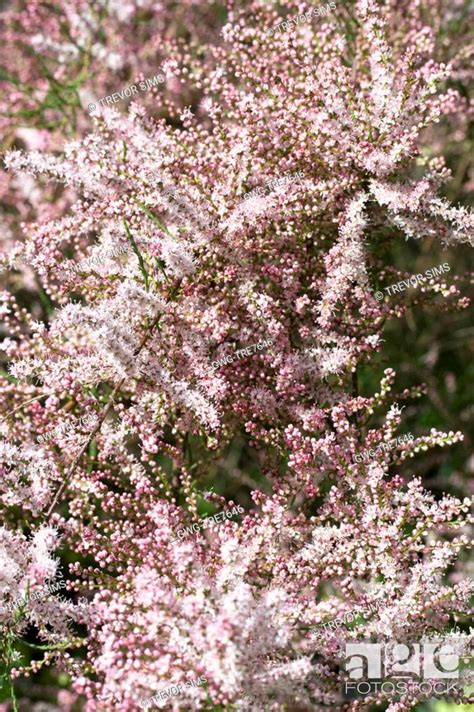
{"x": 138, "y": 254}
{"x": 9, "y": 653}
{"x": 90, "y": 437}
{"x": 42, "y": 395}
{"x": 13, "y": 695}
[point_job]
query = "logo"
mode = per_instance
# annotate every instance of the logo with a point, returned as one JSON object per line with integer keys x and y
{"x": 398, "y": 668}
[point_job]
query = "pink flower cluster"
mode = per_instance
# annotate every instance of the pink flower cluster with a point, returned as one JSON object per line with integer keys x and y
{"x": 356, "y": 108}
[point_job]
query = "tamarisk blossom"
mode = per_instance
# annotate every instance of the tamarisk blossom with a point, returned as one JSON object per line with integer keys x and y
{"x": 248, "y": 600}
{"x": 345, "y": 262}
{"x": 417, "y": 210}
{"x": 27, "y": 566}
{"x": 325, "y": 534}
{"x": 113, "y": 40}
{"x": 29, "y": 475}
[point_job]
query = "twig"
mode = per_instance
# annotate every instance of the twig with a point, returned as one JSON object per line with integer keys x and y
{"x": 42, "y": 395}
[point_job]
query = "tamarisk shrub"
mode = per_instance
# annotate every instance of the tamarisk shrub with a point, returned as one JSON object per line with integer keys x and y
{"x": 208, "y": 273}
{"x": 54, "y": 64}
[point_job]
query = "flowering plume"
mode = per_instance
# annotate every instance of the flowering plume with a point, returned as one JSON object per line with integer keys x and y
{"x": 193, "y": 316}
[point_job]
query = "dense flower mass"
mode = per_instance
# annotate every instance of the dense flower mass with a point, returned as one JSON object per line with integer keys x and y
{"x": 206, "y": 208}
